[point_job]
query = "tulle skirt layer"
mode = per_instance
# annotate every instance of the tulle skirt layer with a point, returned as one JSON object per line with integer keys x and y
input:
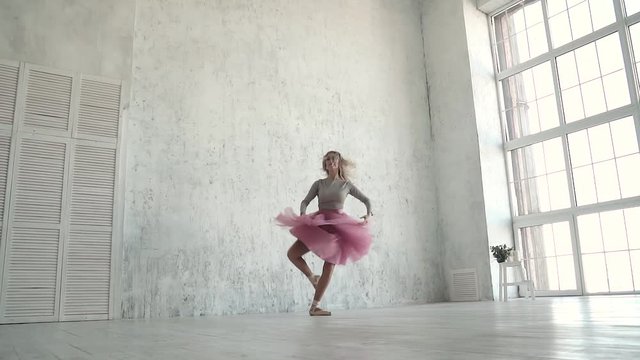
{"x": 331, "y": 234}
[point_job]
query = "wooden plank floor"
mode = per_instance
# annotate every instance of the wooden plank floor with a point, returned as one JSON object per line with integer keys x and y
{"x": 547, "y": 328}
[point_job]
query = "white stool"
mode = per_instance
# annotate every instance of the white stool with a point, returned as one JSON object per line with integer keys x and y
{"x": 519, "y": 273}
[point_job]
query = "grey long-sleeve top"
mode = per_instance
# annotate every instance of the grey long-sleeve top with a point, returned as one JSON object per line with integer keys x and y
{"x": 331, "y": 194}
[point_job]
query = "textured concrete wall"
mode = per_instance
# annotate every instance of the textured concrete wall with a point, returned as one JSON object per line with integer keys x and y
{"x": 91, "y": 36}
{"x": 233, "y": 105}
{"x": 462, "y": 206}
{"x": 492, "y": 157}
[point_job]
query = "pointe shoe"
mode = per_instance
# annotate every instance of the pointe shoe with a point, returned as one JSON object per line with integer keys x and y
{"x": 316, "y": 311}
{"x": 314, "y": 280}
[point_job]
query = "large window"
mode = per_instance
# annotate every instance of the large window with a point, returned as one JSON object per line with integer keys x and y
{"x": 568, "y": 82}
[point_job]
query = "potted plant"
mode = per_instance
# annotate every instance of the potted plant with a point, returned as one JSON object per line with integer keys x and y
{"x": 501, "y": 252}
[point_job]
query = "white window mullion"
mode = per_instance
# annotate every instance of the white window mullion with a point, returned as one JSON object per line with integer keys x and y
{"x": 577, "y": 259}
{"x": 603, "y": 118}
{"x": 627, "y": 55}
{"x": 556, "y": 215}
{"x": 633, "y": 19}
{"x": 530, "y": 225}
{"x": 625, "y": 41}
{"x": 561, "y": 117}
{"x": 555, "y": 52}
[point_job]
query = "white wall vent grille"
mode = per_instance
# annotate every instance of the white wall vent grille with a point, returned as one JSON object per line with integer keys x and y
{"x": 464, "y": 285}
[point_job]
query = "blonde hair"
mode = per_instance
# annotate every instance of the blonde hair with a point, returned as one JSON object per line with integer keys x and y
{"x": 345, "y": 166}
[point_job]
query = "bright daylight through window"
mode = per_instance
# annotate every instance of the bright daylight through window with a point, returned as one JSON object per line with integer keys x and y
{"x": 568, "y": 82}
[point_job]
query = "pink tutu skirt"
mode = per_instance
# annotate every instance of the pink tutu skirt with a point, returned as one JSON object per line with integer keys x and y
{"x": 331, "y": 234}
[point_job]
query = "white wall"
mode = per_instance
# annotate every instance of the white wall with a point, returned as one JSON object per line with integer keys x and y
{"x": 472, "y": 199}
{"x": 492, "y": 159}
{"x": 233, "y": 105}
{"x": 90, "y": 36}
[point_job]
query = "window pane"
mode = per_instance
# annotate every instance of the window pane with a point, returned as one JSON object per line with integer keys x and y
{"x": 544, "y": 247}
{"x": 579, "y": 150}
{"x": 605, "y": 240}
{"x": 610, "y": 54}
{"x": 553, "y": 155}
{"x": 517, "y": 23}
{"x": 616, "y": 90}
{"x": 556, "y": 6}
{"x": 632, "y": 6}
{"x": 634, "y": 30}
{"x": 593, "y": 98}
{"x": 551, "y": 266}
{"x": 566, "y": 273}
{"x": 600, "y": 141}
{"x": 632, "y": 223}
{"x": 602, "y": 13}
{"x": 629, "y": 174}
{"x": 635, "y": 267}
{"x": 585, "y": 186}
{"x": 572, "y": 101}
{"x": 614, "y": 233}
{"x": 590, "y": 233}
{"x": 533, "y": 13}
{"x": 560, "y": 29}
{"x": 624, "y": 137}
{"x": 567, "y": 71}
{"x": 619, "y": 271}
{"x": 547, "y": 241}
{"x": 604, "y": 159}
{"x": 598, "y": 68}
{"x": 543, "y": 81}
{"x": 580, "y": 19}
{"x": 535, "y": 163}
{"x": 577, "y": 18}
{"x": 606, "y": 176}
{"x": 558, "y": 191}
{"x": 587, "y": 60}
{"x": 562, "y": 238}
{"x": 543, "y": 165}
{"x": 537, "y": 40}
{"x": 529, "y": 101}
{"x": 595, "y": 273}
{"x": 544, "y": 273}
{"x": 548, "y": 113}
{"x": 539, "y": 194}
{"x": 520, "y": 34}
{"x": 606, "y": 179}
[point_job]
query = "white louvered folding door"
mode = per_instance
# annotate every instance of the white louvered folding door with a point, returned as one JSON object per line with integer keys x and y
{"x": 34, "y": 240}
{"x": 9, "y": 76}
{"x": 57, "y": 248}
{"x": 88, "y": 261}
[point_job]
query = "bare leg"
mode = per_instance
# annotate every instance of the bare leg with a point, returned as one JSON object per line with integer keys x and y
{"x": 323, "y": 283}
{"x": 295, "y": 255}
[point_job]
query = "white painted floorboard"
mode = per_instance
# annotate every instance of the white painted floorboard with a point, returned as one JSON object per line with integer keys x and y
{"x": 547, "y": 328}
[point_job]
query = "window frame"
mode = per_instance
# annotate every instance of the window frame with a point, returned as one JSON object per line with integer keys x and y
{"x": 621, "y": 26}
